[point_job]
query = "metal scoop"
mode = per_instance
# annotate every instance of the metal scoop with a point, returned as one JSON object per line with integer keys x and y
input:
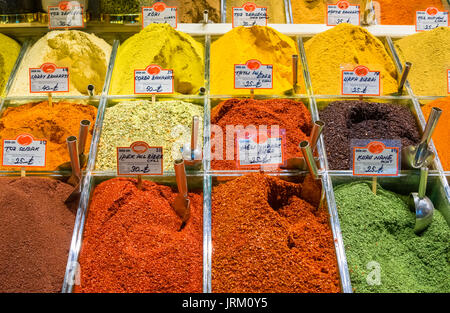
{"x": 181, "y": 205}
{"x": 75, "y": 179}
{"x": 299, "y": 162}
{"x": 315, "y": 184}
{"x": 82, "y": 135}
{"x": 419, "y": 156}
{"x": 191, "y": 154}
{"x": 422, "y": 205}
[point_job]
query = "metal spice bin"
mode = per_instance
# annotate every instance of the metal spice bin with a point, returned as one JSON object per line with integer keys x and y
{"x": 438, "y": 191}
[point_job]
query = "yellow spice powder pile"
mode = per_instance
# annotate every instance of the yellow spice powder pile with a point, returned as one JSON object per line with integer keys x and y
{"x": 344, "y": 47}
{"x": 429, "y": 54}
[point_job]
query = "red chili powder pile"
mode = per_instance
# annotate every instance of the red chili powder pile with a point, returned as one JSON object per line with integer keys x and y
{"x": 269, "y": 237}
{"x": 403, "y": 12}
{"x": 132, "y": 241}
{"x": 293, "y": 116}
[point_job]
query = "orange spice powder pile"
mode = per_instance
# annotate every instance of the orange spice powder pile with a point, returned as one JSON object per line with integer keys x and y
{"x": 53, "y": 123}
{"x": 402, "y": 12}
{"x": 440, "y": 136}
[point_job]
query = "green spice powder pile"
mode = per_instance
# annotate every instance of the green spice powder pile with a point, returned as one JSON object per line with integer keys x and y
{"x": 379, "y": 228}
{"x": 165, "y": 124}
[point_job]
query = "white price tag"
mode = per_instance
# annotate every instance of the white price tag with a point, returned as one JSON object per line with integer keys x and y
{"x": 49, "y": 78}
{"x": 139, "y": 159}
{"x": 267, "y": 150}
{"x": 253, "y": 75}
{"x": 431, "y": 18}
{"x": 153, "y": 80}
{"x": 159, "y": 13}
{"x": 24, "y": 151}
{"x": 361, "y": 81}
{"x": 249, "y": 15}
{"x": 66, "y": 15}
{"x": 376, "y": 157}
{"x": 343, "y": 12}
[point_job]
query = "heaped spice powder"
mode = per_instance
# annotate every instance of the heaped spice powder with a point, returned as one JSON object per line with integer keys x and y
{"x": 347, "y": 120}
{"x": 35, "y": 231}
{"x": 293, "y": 116}
{"x": 269, "y": 237}
{"x": 132, "y": 241}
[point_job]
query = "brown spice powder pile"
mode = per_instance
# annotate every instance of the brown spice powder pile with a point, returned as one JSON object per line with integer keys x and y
{"x": 293, "y": 116}
{"x": 35, "y": 233}
{"x": 267, "y": 238}
{"x": 347, "y": 120}
{"x": 132, "y": 241}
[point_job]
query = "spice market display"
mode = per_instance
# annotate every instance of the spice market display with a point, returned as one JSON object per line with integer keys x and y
{"x": 225, "y": 146}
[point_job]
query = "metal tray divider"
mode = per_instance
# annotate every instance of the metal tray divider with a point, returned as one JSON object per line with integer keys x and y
{"x": 337, "y": 234}
{"x": 207, "y": 233}
{"x": 26, "y": 45}
{"x": 223, "y": 15}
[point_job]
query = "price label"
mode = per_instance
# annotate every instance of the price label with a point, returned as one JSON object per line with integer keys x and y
{"x": 49, "y": 78}
{"x": 249, "y": 15}
{"x": 24, "y": 151}
{"x": 139, "y": 159}
{"x": 376, "y": 157}
{"x": 153, "y": 80}
{"x": 361, "y": 81}
{"x": 253, "y": 75}
{"x": 267, "y": 149}
{"x": 448, "y": 81}
{"x": 343, "y": 12}
{"x": 431, "y": 18}
{"x": 159, "y": 13}
{"x": 66, "y": 15}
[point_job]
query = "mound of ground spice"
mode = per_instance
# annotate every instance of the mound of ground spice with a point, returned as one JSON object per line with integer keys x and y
{"x": 53, "y": 123}
{"x": 268, "y": 238}
{"x": 132, "y": 241}
{"x": 440, "y": 137}
{"x": 293, "y": 116}
{"x": 402, "y": 12}
{"x": 35, "y": 233}
{"x": 347, "y": 120}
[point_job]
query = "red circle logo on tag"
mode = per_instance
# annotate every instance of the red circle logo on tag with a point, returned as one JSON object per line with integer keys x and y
{"x": 159, "y": 6}
{"x": 253, "y": 64}
{"x": 432, "y": 11}
{"x": 249, "y": 7}
{"x": 361, "y": 71}
{"x": 139, "y": 147}
{"x": 376, "y": 147}
{"x": 153, "y": 69}
{"x": 343, "y": 5}
{"x": 24, "y": 139}
{"x": 65, "y": 6}
{"x": 48, "y": 68}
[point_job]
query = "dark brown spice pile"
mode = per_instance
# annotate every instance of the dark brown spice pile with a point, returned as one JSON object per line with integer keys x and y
{"x": 133, "y": 243}
{"x": 268, "y": 237}
{"x": 35, "y": 232}
{"x": 347, "y": 120}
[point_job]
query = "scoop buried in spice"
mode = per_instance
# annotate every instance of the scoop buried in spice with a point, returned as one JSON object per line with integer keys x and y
{"x": 313, "y": 179}
{"x": 299, "y": 162}
{"x": 75, "y": 179}
{"x": 191, "y": 154}
{"x": 181, "y": 205}
{"x": 420, "y": 156}
{"x": 421, "y": 204}
{"x": 82, "y": 135}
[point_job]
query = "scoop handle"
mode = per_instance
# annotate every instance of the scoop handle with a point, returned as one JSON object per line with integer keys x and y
{"x": 82, "y": 135}
{"x": 309, "y": 159}
{"x": 315, "y": 133}
{"x": 431, "y": 125}
{"x": 180, "y": 174}
{"x": 423, "y": 182}
{"x": 73, "y": 153}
